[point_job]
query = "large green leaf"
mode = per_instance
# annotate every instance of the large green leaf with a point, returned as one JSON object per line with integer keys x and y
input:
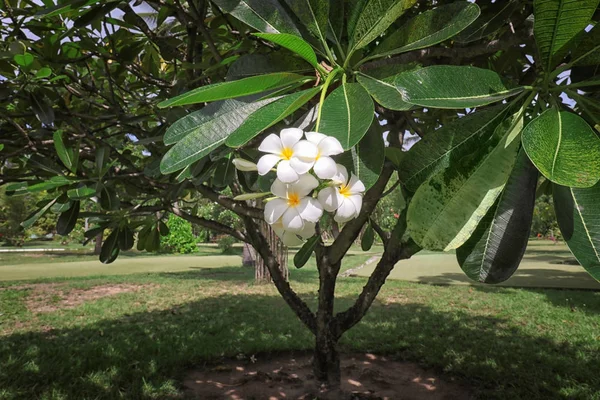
{"x": 375, "y": 18}
{"x": 269, "y": 115}
{"x": 384, "y": 91}
{"x": 208, "y": 135}
{"x": 564, "y": 148}
{"x": 228, "y": 90}
{"x": 337, "y": 17}
{"x": 125, "y": 240}
{"x": 110, "y": 250}
{"x": 366, "y": 159}
{"x": 439, "y": 148}
{"x": 31, "y": 219}
{"x": 428, "y": 28}
{"x": 497, "y": 246}
{"x": 258, "y": 64}
{"x": 445, "y": 211}
{"x": 65, "y": 7}
{"x": 292, "y": 43}
{"x": 263, "y": 15}
{"x": 303, "y": 255}
{"x": 578, "y": 214}
{"x": 81, "y": 193}
{"x": 446, "y": 86}
{"x": 66, "y": 154}
{"x": 557, "y": 23}
{"x": 68, "y": 219}
{"x": 52, "y": 183}
{"x": 347, "y": 114}
{"x": 588, "y": 51}
{"x": 494, "y": 17}
{"x": 314, "y": 14}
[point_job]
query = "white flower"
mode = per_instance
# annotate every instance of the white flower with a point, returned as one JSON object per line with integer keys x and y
{"x": 244, "y": 165}
{"x": 324, "y": 166}
{"x": 293, "y": 205}
{"x": 293, "y": 238}
{"x": 295, "y": 156}
{"x": 345, "y": 198}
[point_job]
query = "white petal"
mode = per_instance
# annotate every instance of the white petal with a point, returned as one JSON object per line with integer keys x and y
{"x": 306, "y": 150}
{"x": 328, "y": 198}
{"x": 315, "y": 137}
{"x": 266, "y": 163}
{"x": 301, "y": 166}
{"x": 330, "y": 146}
{"x": 286, "y": 173}
{"x": 345, "y": 212}
{"x": 341, "y": 175}
{"x": 306, "y": 183}
{"x": 290, "y": 239}
{"x": 355, "y": 185}
{"x": 274, "y": 209}
{"x": 279, "y": 189}
{"x": 308, "y": 230}
{"x": 290, "y": 136}
{"x": 244, "y": 165}
{"x": 325, "y": 168}
{"x": 292, "y": 221}
{"x": 271, "y": 144}
{"x": 310, "y": 209}
{"x": 356, "y": 199}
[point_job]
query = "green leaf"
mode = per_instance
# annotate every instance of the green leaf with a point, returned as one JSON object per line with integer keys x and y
{"x": 1, "y": 146}
{"x": 303, "y": 255}
{"x": 588, "y": 51}
{"x": 259, "y": 64}
{"x": 43, "y": 72}
{"x": 366, "y": 159}
{"x": 24, "y": 60}
{"x": 337, "y": 14}
{"x": 209, "y": 134}
{"x": 428, "y": 28}
{"x": 153, "y": 240}
{"x": 354, "y": 8}
{"x": 375, "y": 18}
{"x": 81, "y": 193}
{"x": 313, "y": 14}
{"x": 395, "y": 155}
{"x": 125, "y": 240}
{"x": 110, "y": 250}
{"x": 224, "y": 173}
{"x": 65, "y": 7}
{"x": 439, "y": 148}
{"x": 564, "y": 148}
{"x": 65, "y": 154}
{"x": 43, "y": 111}
{"x": 227, "y": 90}
{"x": 52, "y": 183}
{"x": 68, "y": 219}
{"x": 368, "y": 237}
{"x": 31, "y": 219}
{"x": 557, "y": 23}
{"x": 497, "y": 246}
{"x": 384, "y": 91}
{"x": 263, "y": 15}
{"x": 445, "y": 211}
{"x": 578, "y": 215}
{"x": 292, "y": 43}
{"x": 95, "y": 13}
{"x": 494, "y": 17}
{"x": 446, "y": 86}
{"x": 108, "y": 199}
{"x": 269, "y": 115}
{"x": 347, "y": 114}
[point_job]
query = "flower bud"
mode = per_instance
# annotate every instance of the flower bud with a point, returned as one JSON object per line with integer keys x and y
{"x": 244, "y": 165}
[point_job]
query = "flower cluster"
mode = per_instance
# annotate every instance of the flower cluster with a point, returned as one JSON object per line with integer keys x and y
{"x": 308, "y": 182}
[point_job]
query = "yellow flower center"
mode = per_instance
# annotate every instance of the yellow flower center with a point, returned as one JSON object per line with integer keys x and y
{"x": 318, "y": 155}
{"x": 287, "y": 153}
{"x": 345, "y": 191}
{"x": 293, "y": 199}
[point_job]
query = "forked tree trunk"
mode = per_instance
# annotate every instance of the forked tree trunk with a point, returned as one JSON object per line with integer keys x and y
{"x": 261, "y": 272}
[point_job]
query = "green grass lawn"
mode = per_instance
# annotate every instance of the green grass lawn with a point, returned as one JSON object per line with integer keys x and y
{"x": 504, "y": 343}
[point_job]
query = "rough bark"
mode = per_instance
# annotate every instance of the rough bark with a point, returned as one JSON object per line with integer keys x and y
{"x": 98, "y": 244}
{"x": 278, "y": 249}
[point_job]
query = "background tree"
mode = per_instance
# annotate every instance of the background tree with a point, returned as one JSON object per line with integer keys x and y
{"x": 494, "y": 95}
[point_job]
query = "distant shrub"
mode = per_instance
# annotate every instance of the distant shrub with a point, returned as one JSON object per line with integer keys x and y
{"x": 225, "y": 243}
{"x": 180, "y": 238}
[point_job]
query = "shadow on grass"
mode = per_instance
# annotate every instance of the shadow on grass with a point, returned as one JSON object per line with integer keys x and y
{"x": 146, "y": 354}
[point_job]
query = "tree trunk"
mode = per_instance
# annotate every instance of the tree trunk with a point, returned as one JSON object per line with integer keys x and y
{"x": 248, "y": 256}
{"x": 261, "y": 272}
{"x": 98, "y": 244}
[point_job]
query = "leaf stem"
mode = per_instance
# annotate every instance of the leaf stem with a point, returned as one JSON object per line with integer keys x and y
{"x": 328, "y": 81}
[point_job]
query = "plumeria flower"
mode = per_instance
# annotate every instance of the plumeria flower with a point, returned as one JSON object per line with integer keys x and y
{"x": 292, "y": 156}
{"x": 293, "y": 238}
{"x": 244, "y": 165}
{"x": 345, "y": 197}
{"x": 293, "y": 205}
{"x": 327, "y": 146}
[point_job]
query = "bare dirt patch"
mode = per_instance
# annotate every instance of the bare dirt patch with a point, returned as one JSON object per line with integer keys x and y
{"x": 52, "y": 297}
{"x": 364, "y": 376}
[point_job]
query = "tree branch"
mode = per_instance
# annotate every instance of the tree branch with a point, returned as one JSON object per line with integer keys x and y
{"x": 209, "y": 224}
{"x": 237, "y": 207}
